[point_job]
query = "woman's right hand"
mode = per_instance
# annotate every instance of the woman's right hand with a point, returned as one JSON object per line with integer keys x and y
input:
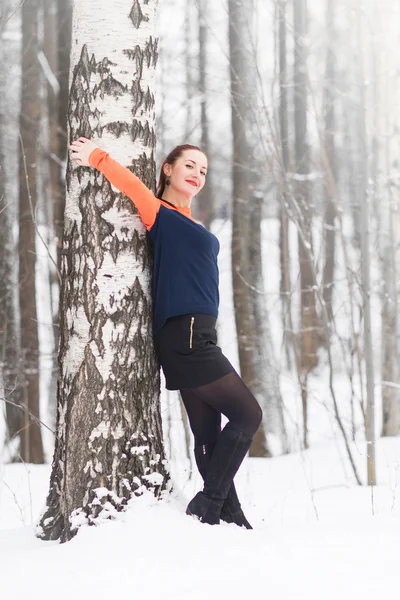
{"x": 81, "y": 149}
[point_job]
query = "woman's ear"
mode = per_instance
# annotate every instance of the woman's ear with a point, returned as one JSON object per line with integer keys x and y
{"x": 167, "y": 170}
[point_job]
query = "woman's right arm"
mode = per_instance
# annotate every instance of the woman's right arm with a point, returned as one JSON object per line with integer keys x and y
{"x": 86, "y": 153}
{"x": 130, "y": 185}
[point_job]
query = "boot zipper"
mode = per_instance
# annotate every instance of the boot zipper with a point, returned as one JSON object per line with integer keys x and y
{"x": 191, "y": 332}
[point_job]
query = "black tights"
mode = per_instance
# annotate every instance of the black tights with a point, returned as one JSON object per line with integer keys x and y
{"x": 228, "y": 395}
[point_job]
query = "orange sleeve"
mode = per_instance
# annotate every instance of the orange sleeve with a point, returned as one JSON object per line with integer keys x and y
{"x": 122, "y": 178}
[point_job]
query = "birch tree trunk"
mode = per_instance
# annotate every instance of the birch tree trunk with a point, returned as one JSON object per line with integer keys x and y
{"x": 31, "y": 441}
{"x": 109, "y": 438}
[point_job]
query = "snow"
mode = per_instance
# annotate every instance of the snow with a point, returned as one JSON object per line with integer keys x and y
{"x": 316, "y": 535}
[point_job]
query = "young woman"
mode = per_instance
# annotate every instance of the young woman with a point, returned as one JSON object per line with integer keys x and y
{"x": 185, "y": 305}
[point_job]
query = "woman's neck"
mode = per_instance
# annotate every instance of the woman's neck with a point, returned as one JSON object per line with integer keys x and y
{"x": 176, "y": 199}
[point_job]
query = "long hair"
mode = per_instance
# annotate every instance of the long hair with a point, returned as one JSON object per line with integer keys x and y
{"x": 171, "y": 160}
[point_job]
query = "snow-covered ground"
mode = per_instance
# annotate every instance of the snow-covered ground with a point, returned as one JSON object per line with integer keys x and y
{"x": 316, "y": 536}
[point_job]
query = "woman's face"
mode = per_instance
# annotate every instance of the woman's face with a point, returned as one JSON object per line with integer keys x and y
{"x": 188, "y": 174}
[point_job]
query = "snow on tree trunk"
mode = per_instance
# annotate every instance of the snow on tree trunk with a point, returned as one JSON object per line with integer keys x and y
{"x": 109, "y": 438}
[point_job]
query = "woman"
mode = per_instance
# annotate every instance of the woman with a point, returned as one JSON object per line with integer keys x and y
{"x": 185, "y": 305}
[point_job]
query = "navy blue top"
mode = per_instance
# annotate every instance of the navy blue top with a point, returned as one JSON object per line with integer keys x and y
{"x": 185, "y": 277}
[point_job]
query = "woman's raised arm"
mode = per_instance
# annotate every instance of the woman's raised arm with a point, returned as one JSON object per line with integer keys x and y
{"x": 86, "y": 153}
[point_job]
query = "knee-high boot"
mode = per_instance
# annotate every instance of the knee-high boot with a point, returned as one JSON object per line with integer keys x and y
{"x": 229, "y": 452}
{"x": 231, "y": 511}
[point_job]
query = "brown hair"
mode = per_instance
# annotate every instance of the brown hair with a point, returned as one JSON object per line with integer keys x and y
{"x": 171, "y": 160}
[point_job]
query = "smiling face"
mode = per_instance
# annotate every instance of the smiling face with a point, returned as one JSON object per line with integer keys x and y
{"x": 188, "y": 174}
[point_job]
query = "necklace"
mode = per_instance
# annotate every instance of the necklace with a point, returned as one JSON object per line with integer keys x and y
{"x": 170, "y": 203}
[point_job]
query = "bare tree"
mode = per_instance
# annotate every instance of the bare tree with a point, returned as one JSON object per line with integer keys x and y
{"x": 205, "y": 210}
{"x": 257, "y": 362}
{"x": 10, "y": 390}
{"x": 239, "y": 13}
{"x": 31, "y": 441}
{"x": 285, "y": 287}
{"x": 109, "y": 439}
{"x": 64, "y": 24}
{"x": 309, "y": 332}
{"x": 389, "y": 311}
{"x": 330, "y": 153}
{"x": 389, "y": 248}
{"x": 365, "y": 263}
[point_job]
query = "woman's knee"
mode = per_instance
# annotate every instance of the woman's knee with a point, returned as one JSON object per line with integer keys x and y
{"x": 255, "y": 418}
{"x": 250, "y": 419}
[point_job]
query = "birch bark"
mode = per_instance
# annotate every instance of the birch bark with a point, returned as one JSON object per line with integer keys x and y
{"x": 109, "y": 439}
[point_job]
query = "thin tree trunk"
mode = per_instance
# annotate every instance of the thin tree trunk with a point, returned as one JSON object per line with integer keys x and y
{"x": 309, "y": 331}
{"x": 329, "y": 143}
{"x": 389, "y": 245}
{"x": 365, "y": 265}
{"x": 190, "y": 125}
{"x": 61, "y": 62}
{"x": 9, "y": 341}
{"x": 10, "y": 391}
{"x": 389, "y": 312}
{"x": 109, "y": 438}
{"x": 274, "y": 426}
{"x": 246, "y": 325}
{"x": 31, "y": 441}
{"x": 64, "y": 22}
{"x": 285, "y": 287}
{"x": 205, "y": 207}
{"x": 49, "y": 189}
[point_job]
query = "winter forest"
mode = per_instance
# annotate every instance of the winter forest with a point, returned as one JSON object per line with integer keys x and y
{"x": 294, "y": 102}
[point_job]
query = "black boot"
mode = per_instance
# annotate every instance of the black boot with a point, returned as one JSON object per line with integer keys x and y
{"x": 231, "y": 511}
{"x": 229, "y": 452}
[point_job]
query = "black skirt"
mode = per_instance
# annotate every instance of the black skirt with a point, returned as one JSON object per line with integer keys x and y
{"x": 188, "y": 353}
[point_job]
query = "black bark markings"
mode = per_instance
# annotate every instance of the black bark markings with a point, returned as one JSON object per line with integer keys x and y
{"x": 136, "y": 15}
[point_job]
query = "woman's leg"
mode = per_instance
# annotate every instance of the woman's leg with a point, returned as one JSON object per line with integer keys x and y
{"x": 205, "y": 423}
{"x": 230, "y": 396}
{"x": 204, "y": 419}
